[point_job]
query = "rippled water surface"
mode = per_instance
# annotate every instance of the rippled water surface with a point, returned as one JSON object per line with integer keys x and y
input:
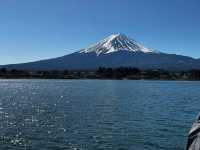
{"x": 96, "y": 115}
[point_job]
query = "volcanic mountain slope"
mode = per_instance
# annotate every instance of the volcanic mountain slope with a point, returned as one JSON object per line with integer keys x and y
{"x": 116, "y": 50}
{"x": 115, "y": 43}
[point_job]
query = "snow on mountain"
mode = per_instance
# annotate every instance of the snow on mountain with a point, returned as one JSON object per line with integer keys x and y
{"x": 115, "y": 51}
{"x": 117, "y": 42}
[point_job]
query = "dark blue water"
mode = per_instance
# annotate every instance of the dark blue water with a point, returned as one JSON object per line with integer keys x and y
{"x": 96, "y": 115}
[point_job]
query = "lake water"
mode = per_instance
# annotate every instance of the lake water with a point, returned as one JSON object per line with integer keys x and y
{"x": 96, "y": 114}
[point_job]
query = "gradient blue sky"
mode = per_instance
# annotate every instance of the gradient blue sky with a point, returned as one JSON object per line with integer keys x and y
{"x": 37, "y": 29}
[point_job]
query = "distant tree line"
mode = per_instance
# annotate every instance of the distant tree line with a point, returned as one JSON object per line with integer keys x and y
{"x": 155, "y": 74}
{"x": 103, "y": 73}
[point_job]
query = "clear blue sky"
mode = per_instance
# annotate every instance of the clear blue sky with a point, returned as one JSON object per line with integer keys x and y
{"x": 36, "y": 29}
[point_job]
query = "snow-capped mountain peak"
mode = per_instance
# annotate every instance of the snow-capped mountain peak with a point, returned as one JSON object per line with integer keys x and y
{"x": 117, "y": 42}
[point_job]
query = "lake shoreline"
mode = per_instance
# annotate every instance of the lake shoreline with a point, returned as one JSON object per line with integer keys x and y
{"x": 121, "y": 73}
{"x": 35, "y": 78}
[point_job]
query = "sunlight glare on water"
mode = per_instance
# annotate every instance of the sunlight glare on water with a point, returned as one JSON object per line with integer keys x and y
{"x": 94, "y": 114}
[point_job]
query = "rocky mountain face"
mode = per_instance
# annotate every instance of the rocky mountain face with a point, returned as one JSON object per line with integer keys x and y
{"x": 117, "y": 50}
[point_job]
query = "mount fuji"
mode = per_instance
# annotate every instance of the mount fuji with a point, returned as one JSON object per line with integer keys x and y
{"x": 114, "y": 43}
{"x": 117, "y": 50}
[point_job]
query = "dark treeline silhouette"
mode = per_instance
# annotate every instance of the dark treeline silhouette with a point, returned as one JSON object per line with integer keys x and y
{"x": 103, "y": 73}
{"x": 119, "y": 73}
{"x": 156, "y": 74}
